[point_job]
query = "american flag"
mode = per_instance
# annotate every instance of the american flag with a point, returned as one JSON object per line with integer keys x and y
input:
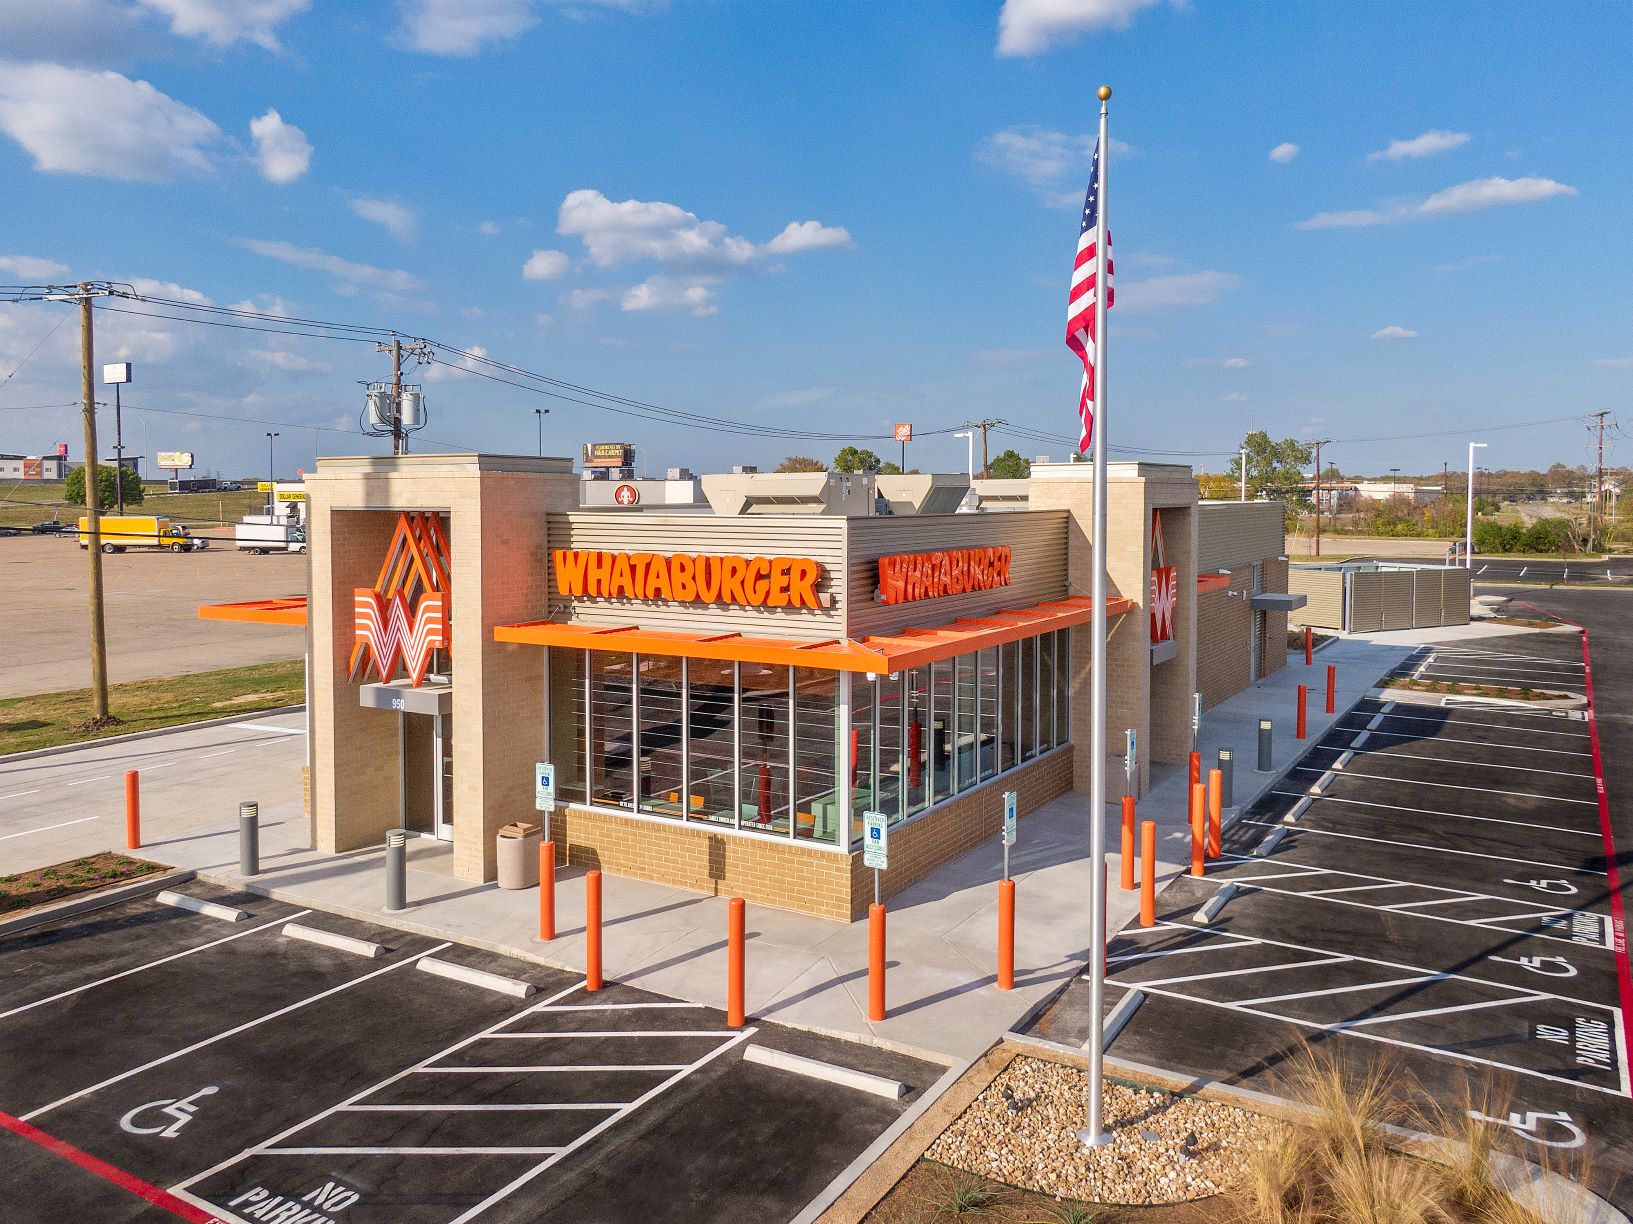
{"x": 1080, "y": 302}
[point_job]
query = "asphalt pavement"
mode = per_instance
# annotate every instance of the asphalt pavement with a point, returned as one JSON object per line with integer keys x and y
{"x": 158, "y": 1064}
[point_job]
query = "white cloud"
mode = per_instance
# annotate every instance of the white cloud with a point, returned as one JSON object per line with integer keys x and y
{"x": 281, "y": 149}
{"x": 542, "y": 320}
{"x": 442, "y": 369}
{"x": 224, "y": 22}
{"x": 800, "y": 236}
{"x": 671, "y": 293}
{"x": 31, "y": 268}
{"x": 584, "y": 299}
{"x": 1615, "y": 363}
{"x": 85, "y": 33}
{"x": 1425, "y": 145}
{"x": 1046, "y": 160}
{"x": 77, "y": 121}
{"x": 342, "y": 270}
{"x": 1180, "y": 289}
{"x": 294, "y": 363}
{"x": 1027, "y": 27}
{"x": 1236, "y": 363}
{"x": 399, "y": 219}
{"x": 1285, "y": 152}
{"x": 1473, "y": 196}
{"x": 1393, "y": 332}
{"x": 1224, "y": 363}
{"x": 1235, "y": 397}
{"x": 169, "y": 289}
{"x": 546, "y": 265}
{"x": 462, "y": 27}
{"x": 488, "y": 229}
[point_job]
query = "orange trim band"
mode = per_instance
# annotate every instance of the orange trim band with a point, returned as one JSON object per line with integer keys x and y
{"x": 287, "y": 611}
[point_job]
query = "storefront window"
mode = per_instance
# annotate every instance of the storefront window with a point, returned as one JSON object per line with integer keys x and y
{"x": 566, "y": 743}
{"x": 712, "y": 742}
{"x": 890, "y": 795}
{"x": 662, "y": 744}
{"x": 966, "y": 750}
{"x": 1046, "y": 691}
{"x": 864, "y": 757}
{"x": 1029, "y": 698}
{"x": 612, "y": 729}
{"x": 941, "y": 730}
{"x": 1063, "y": 687}
{"x": 819, "y": 804}
{"x": 986, "y": 685}
{"x": 917, "y": 699}
{"x": 1009, "y": 753}
{"x": 767, "y": 748}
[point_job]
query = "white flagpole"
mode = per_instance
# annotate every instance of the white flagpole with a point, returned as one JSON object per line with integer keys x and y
{"x": 1094, "y": 1134}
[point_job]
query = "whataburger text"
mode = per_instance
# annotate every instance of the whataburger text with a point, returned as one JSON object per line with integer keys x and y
{"x": 754, "y": 582}
{"x": 928, "y": 575}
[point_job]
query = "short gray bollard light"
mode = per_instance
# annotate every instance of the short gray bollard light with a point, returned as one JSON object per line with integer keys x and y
{"x": 396, "y": 870}
{"x": 1266, "y": 730}
{"x": 1227, "y": 770}
{"x": 249, "y": 838}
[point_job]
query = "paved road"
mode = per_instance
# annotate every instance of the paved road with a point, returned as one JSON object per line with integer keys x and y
{"x": 1487, "y": 570}
{"x": 57, "y": 807}
{"x": 1431, "y": 885}
{"x": 215, "y": 1069}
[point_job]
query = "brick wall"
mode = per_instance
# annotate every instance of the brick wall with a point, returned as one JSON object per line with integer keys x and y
{"x": 1224, "y": 640}
{"x": 789, "y": 875}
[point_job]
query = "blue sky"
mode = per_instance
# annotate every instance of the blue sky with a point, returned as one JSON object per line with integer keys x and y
{"x": 1332, "y": 220}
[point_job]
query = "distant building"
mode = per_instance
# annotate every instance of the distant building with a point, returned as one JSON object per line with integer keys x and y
{"x": 1336, "y": 497}
{"x": 33, "y": 467}
{"x": 678, "y": 490}
{"x": 1383, "y": 490}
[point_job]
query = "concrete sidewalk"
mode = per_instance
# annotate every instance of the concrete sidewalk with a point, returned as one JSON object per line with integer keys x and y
{"x": 810, "y": 972}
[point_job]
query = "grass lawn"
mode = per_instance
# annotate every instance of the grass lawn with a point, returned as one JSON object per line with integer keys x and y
{"x": 45, "y": 720}
{"x": 24, "y": 503}
{"x": 28, "y": 889}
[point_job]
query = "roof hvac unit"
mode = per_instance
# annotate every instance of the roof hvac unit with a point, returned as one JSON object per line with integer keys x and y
{"x": 413, "y": 409}
{"x": 380, "y": 414}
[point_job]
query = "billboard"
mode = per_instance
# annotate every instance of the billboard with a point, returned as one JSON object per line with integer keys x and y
{"x": 32, "y": 469}
{"x": 609, "y": 454}
{"x": 904, "y": 432}
{"x": 178, "y": 460}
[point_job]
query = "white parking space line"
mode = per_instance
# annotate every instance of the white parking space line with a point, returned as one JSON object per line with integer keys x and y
{"x": 1387, "y": 841}
{"x": 20, "y": 794}
{"x": 1464, "y": 652}
{"x": 574, "y": 1033}
{"x": 224, "y": 752}
{"x": 1397, "y": 807}
{"x": 590, "y": 1007}
{"x": 1413, "y": 756}
{"x": 232, "y": 1032}
{"x": 160, "y": 765}
{"x": 1446, "y": 739}
{"x": 1352, "y": 1031}
{"x": 409, "y": 1151}
{"x": 1200, "y": 947}
{"x": 1432, "y": 1011}
{"x": 163, "y": 960}
{"x": 1459, "y": 721}
{"x": 1411, "y": 905}
{"x": 48, "y": 828}
{"x": 485, "y": 1107}
{"x": 1349, "y": 888}
{"x": 1255, "y": 969}
{"x": 1484, "y": 790}
{"x": 87, "y": 781}
{"x": 1350, "y": 989}
{"x": 1385, "y": 964}
{"x": 248, "y": 726}
{"x": 548, "y": 1067}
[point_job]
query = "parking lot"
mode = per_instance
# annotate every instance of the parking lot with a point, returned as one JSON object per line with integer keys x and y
{"x": 1431, "y": 886}
{"x": 158, "y": 1064}
{"x": 152, "y": 611}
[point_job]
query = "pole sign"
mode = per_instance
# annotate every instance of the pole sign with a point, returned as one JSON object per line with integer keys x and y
{"x": 875, "y": 841}
{"x": 1011, "y": 811}
{"x": 544, "y": 786}
{"x": 1131, "y": 754}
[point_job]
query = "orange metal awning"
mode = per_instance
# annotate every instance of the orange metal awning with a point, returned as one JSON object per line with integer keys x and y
{"x": 880, "y": 655}
{"x": 1212, "y": 582}
{"x": 290, "y": 610}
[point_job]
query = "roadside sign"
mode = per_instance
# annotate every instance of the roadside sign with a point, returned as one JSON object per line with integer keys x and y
{"x": 544, "y": 786}
{"x": 904, "y": 432}
{"x": 875, "y": 841}
{"x": 291, "y": 495}
{"x": 263, "y": 486}
{"x": 1011, "y": 807}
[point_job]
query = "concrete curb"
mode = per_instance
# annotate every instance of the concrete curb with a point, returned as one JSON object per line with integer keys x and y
{"x": 853, "y": 1172}
{"x": 141, "y": 735}
{"x": 94, "y": 901}
{"x": 828, "y": 1073}
{"x": 480, "y": 978}
{"x": 328, "y": 939}
{"x": 196, "y": 905}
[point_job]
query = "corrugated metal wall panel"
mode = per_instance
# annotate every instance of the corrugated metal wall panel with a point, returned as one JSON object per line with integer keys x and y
{"x": 1366, "y": 602}
{"x": 1395, "y": 595}
{"x": 819, "y": 537}
{"x": 1324, "y": 592}
{"x": 1427, "y": 598}
{"x": 1037, "y": 542}
{"x": 1458, "y": 591}
{"x": 1231, "y": 532}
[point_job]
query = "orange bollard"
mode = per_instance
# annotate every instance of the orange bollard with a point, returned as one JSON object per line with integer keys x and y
{"x": 735, "y": 909}
{"x": 876, "y": 961}
{"x": 1216, "y": 811}
{"x": 1303, "y": 700}
{"x": 1309, "y": 647}
{"x": 547, "y": 890}
{"x": 133, "y": 810}
{"x": 1332, "y": 688}
{"x": 1128, "y": 843}
{"x": 1196, "y": 768}
{"x": 1006, "y": 934}
{"x": 1148, "y": 873}
{"x": 592, "y": 931}
{"x": 1199, "y": 834}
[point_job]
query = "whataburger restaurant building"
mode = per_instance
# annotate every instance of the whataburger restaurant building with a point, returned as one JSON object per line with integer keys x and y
{"x": 724, "y": 696}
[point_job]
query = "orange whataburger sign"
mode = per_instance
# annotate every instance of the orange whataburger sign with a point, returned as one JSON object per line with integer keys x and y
{"x": 386, "y": 631}
{"x": 928, "y": 575}
{"x": 752, "y": 582}
{"x": 1164, "y": 595}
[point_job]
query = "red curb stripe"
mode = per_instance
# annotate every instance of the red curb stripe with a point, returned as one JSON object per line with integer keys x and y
{"x": 1618, "y": 919}
{"x": 106, "y": 1171}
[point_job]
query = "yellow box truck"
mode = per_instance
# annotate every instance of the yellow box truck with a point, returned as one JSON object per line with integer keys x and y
{"x": 120, "y": 532}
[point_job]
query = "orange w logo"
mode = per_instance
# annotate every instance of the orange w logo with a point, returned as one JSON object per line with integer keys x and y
{"x": 383, "y": 626}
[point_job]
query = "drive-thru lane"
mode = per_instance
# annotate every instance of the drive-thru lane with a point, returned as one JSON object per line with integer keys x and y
{"x": 1432, "y": 886}
{"x": 243, "y": 1072}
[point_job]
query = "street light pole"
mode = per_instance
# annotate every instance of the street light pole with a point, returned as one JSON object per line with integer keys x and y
{"x": 969, "y": 449}
{"x": 1468, "y": 520}
{"x": 270, "y": 478}
{"x": 539, "y": 413}
{"x": 1244, "y": 474}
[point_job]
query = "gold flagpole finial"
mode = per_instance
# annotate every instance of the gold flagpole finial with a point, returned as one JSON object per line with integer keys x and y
{"x": 1103, "y": 93}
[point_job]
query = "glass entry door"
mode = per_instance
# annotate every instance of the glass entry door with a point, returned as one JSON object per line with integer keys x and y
{"x": 443, "y": 816}
{"x": 427, "y": 774}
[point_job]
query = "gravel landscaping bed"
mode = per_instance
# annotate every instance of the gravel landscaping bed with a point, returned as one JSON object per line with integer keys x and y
{"x": 1167, "y": 1149}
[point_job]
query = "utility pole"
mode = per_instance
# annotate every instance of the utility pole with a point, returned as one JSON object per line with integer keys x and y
{"x": 399, "y": 436}
{"x": 983, "y": 426}
{"x": 1597, "y": 513}
{"x": 1318, "y": 445}
{"x": 93, "y": 510}
{"x": 1244, "y": 473}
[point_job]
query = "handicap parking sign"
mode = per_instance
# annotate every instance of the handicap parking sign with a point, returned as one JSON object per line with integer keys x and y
{"x": 544, "y": 786}
{"x": 875, "y": 841}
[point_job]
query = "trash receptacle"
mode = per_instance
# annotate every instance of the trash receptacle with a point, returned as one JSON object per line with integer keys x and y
{"x": 518, "y": 851}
